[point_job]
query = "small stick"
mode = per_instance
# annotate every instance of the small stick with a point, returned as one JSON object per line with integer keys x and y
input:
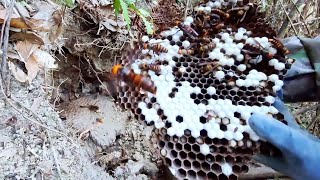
{"x": 305, "y": 109}
{"x": 284, "y": 25}
{"x": 186, "y": 10}
{"x": 4, "y": 44}
{"x": 54, "y": 155}
{"x": 22, "y": 17}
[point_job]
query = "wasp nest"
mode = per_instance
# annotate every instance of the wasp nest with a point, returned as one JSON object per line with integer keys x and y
{"x": 211, "y": 71}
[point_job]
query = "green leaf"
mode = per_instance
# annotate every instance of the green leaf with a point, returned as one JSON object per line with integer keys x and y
{"x": 144, "y": 12}
{"x": 148, "y": 25}
{"x": 117, "y": 7}
{"x": 125, "y": 12}
{"x": 69, "y": 3}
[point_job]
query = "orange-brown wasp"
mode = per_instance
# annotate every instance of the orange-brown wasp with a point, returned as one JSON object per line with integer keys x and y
{"x": 207, "y": 47}
{"x": 279, "y": 46}
{"x": 188, "y": 30}
{"x": 221, "y": 13}
{"x": 158, "y": 48}
{"x": 153, "y": 67}
{"x": 208, "y": 67}
{"x": 186, "y": 51}
{"x": 134, "y": 80}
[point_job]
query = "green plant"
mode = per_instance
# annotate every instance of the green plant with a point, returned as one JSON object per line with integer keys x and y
{"x": 124, "y": 6}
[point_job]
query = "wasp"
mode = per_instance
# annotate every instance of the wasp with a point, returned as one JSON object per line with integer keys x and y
{"x": 221, "y": 13}
{"x": 186, "y": 51}
{"x": 188, "y": 30}
{"x": 153, "y": 67}
{"x": 158, "y": 48}
{"x": 208, "y": 67}
{"x": 257, "y": 51}
{"x": 279, "y": 46}
{"x": 207, "y": 47}
{"x": 134, "y": 80}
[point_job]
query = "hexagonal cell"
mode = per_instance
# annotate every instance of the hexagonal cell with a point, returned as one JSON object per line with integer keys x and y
{"x": 212, "y": 176}
{"x": 222, "y": 150}
{"x": 183, "y": 139}
{"x": 233, "y": 177}
{"x": 201, "y": 174}
{"x": 174, "y": 153}
{"x": 201, "y": 157}
{"x": 178, "y": 146}
{"x": 236, "y": 169}
{"x": 196, "y": 165}
{"x": 187, "y": 147}
{"x": 196, "y": 148}
{"x": 191, "y": 140}
{"x": 170, "y": 145}
{"x": 205, "y": 166}
{"x": 182, "y": 173}
{"x": 168, "y": 161}
{"x": 230, "y": 159}
{"x": 192, "y": 156}
{"x": 182, "y": 155}
{"x": 223, "y": 177}
{"x": 177, "y": 163}
{"x": 244, "y": 169}
{"x": 187, "y": 163}
{"x": 216, "y": 168}
{"x": 191, "y": 174}
{"x": 219, "y": 158}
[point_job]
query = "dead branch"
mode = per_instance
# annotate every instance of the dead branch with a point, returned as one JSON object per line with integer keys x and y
{"x": 284, "y": 26}
{"x": 4, "y": 40}
{"x": 306, "y": 109}
{"x": 303, "y": 20}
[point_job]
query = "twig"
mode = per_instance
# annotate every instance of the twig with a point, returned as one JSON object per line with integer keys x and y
{"x": 5, "y": 74}
{"x": 13, "y": 102}
{"x": 310, "y": 20}
{"x": 54, "y": 155}
{"x": 21, "y": 15}
{"x": 95, "y": 72}
{"x": 284, "y": 26}
{"x": 303, "y": 20}
{"x": 316, "y": 119}
{"x": 186, "y": 10}
{"x": 305, "y": 109}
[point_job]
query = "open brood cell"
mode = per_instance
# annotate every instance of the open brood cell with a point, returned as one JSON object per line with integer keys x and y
{"x": 209, "y": 82}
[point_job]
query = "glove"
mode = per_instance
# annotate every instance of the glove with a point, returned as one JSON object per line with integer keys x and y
{"x": 300, "y": 150}
{"x": 302, "y": 81}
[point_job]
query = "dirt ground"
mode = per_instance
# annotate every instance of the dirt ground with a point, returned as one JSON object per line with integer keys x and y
{"x": 63, "y": 124}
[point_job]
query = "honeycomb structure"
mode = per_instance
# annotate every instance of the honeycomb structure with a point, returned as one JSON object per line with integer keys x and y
{"x": 212, "y": 72}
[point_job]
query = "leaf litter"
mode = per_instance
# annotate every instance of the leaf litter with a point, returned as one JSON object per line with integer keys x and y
{"x": 39, "y": 31}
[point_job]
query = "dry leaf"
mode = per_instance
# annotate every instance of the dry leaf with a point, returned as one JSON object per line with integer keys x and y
{"x": 30, "y": 23}
{"x": 30, "y": 36}
{"x": 32, "y": 67}
{"x": 17, "y": 72}
{"x": 44, "y": 59}
{"x": 25, "y": 49}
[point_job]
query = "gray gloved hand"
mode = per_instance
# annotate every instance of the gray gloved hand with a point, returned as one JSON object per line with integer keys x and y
{"x": 300, "y": 150}
{"x": 302, "y": 81}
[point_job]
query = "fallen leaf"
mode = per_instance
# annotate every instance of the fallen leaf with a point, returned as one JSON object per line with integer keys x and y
{"x": 25, "y": 49}
{"x": 29, "y": 23}
{"x": 32, "y": 67}
{"x": 30, "y": 36}
{"x": 44, "y": 59}
{"x": 17, "y": 72}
